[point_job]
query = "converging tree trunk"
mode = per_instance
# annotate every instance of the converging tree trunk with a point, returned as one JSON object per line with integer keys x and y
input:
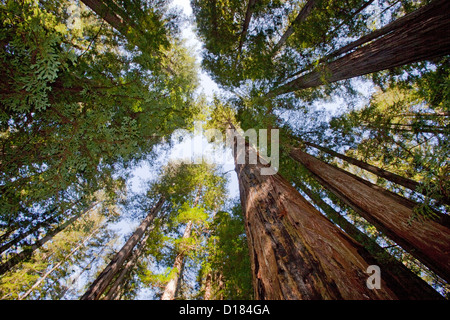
{"x": 104, "y": 279}
{"x": 248, "y": 17}
{"x": 420, "y": 35}
{"x": 27, "y": 252}
{"x": 404, "y": 283}
{"x": 109, "y": 14}
{"x": 425, "y": 239}
{"x": 405, "y": 182}
{"x": 296, "y": 252}
{"x": 171, "y": 289}
{"x": 114, "y": 291}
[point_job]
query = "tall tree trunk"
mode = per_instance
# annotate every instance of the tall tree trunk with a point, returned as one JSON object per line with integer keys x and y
{"x": 114, "y": 290}
{"x": 425, "y": 239}
{"x": 248, "y": 17}
{"x": 171, "y": 289}
{"x": 405, "y": 182}
{"x": 57, "y": 265}
{"x": 103, "y": 280}
{"x": 111, "y": 16}
{"x": 295, "y": 252}
{"x": 208, "y": 286}
{"x": 417, "y": 36}
{"x": 172, "y": 286}
{"x": 405, "y": 284}
{"x": 303, "y": 14}
{"x": 30, "y": 231}
{"x": 28, "y": 252}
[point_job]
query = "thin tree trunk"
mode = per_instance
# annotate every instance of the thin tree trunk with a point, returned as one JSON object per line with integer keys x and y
{"x": 418, "y": 36}
{"x": 28, "y": 252}
{"x": 56, "y": 266}
{"x": 208, "y": 287}
{"x": 303, "y": 14}
{"x": 25, "y": 234}
{"x": 425, "y": 239}
{"x": 113, "y": 292}
{"x": 103, "y": 280}
{"x": 108, "y": 14}
{"x": 405, "y": 182}
{"x": 405, "y": 284}
{"x": 295, "y": 252}
{"x": 172, "y": 286}
{"x": 33, "y": 229}
{"x": 248, "y": 17}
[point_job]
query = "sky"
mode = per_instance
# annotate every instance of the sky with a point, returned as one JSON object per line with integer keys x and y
{"x": 196, "y": 146}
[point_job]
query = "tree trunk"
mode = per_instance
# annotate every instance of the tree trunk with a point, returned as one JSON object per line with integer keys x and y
{"x": 208, "y": 286}
{"x": 103, "y": 280}
{"x": 108, "y": 14}
{"x": 405, "y": 182}
{"x": 295, "y": 252}
{"x": 114, "y": 291}
{"x": 425, "y": 239}
{"x": 30, "y": 231}
{"x": 57, "y": 265}
{"x": 248, "y": 17}
{"x": 172, "y": 287}
{"x": 28, "y": 252}
{"x": 418, "y": 36}
{"x": 405, "y": 284}
{"x": 303, "y": 14}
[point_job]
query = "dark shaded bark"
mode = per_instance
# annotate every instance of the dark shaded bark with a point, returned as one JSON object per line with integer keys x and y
{"x": 404, "y": 283}
{"x": 425, "y": 239}
{"x": 405, "y": 182}
{"x": 420, "y": 35}
{"x": 248, "y": 17}
{"x": 115, "y": 289}
{"x": 295, "y": 252}
{"x": 107, "y": 13}
{"x": 104, "y": 279}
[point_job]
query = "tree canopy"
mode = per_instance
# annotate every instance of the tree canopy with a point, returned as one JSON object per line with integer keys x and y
{"x": 93, "y": 91}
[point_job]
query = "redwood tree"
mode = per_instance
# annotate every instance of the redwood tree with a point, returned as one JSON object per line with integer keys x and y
{"x": 425, "y": 239}
{"x": 415, "y": 37}
{"x": 295, "y": 252}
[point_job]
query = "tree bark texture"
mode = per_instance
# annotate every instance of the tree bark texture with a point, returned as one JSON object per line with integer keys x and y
{"x": 425, "y": 239}
{"x": 404, "y": 283}
{"x": 103, "y": 280}
{"x": 422, "y": 35}
{"x": 295, "y": 252}
{"x": 248, "y": 17}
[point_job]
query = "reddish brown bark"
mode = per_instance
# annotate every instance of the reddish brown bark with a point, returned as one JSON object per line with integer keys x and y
{"x": 104, "y": 279}
{"x": 404, "y": 283}
{"x": 427, "y": 240}
{"x": 295, "y": 252}
{"x": 405, "y": 182}
{"x": 420, "y": 35}
{"x": 248, "y": 17}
